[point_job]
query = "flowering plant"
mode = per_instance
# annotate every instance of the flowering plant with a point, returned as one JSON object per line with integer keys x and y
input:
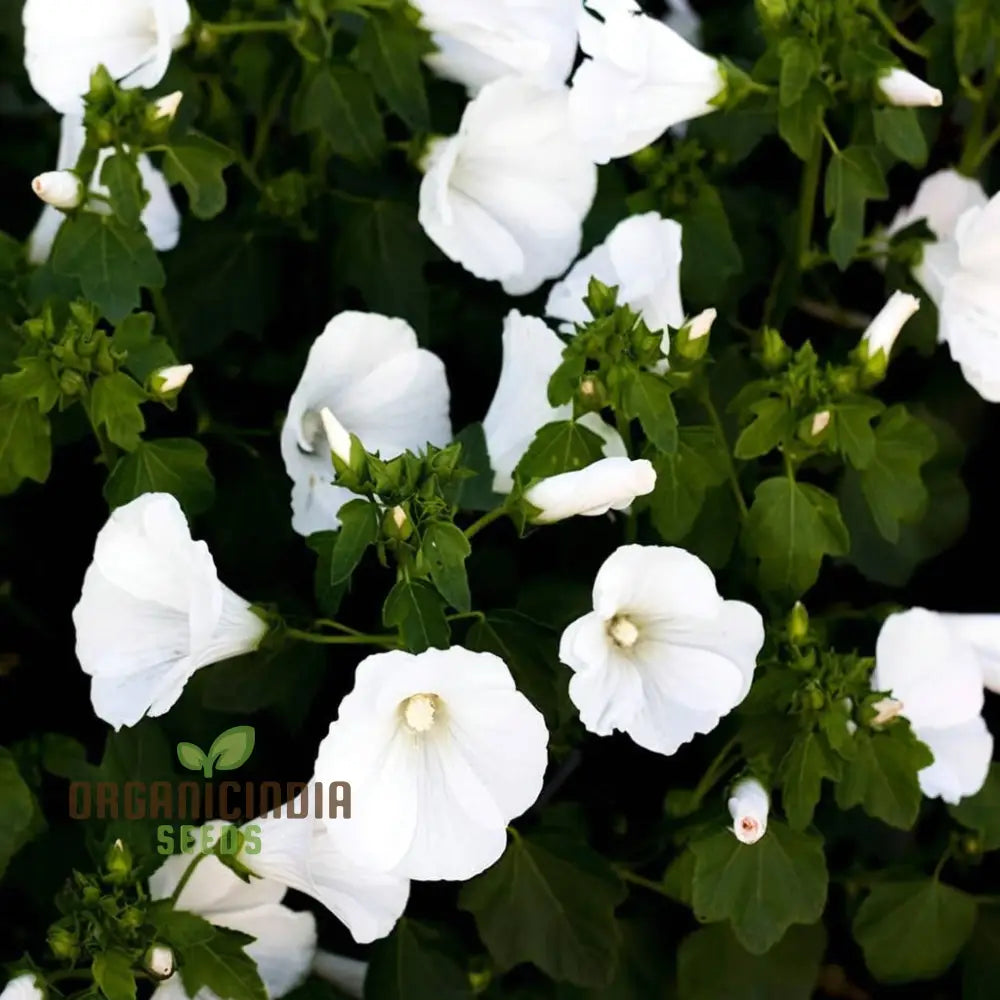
{"x": 541, "y": 448}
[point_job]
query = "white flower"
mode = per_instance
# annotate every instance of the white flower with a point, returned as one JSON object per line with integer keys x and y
{"x": 172, "y": 378}
{"x": 642, "y": 257}
{"x": 482, "y": 40}
{"x": 375, "y": 380}
{"x": 982, "y": 632}
{"x": 681, "y": 19}
{"x": 641, "y": 79}
{"x": 941, "y": 200}
{"x": 160, "y": 216}
{"x": 970, "y": 304}
{"x": 662, "y": 656}
{"x": 902, "y": 88}
{"x": 23, "y": 987}
{"x": 153, "y": 611}
{"x": 285, "y": 940}
{"x": 59, "y": 188}
{"x": 442, "y": 752}
{"x": 748, "y": 806}
{"x": 610, "y": 483}
{"x": 520, "y": 406}
{"x": 66, "y": 40}
{"x": 347, "y": 974}
{"x": 159, "y": 961}
{"x": 886, "y": 326}
{"x": 923, "y": 661}
{"x": 507, "y": 195}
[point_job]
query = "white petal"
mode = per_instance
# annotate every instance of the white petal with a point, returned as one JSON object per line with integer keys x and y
{"x": 941, "y": 200}
{"x": 962, "y": 756}
{"x": 597, "y": 488}
{"x": 347, "y": 974}
{"x": 982, "y": 632}
{"x": 23, "y": 987}
{"x": 213, "y": 888}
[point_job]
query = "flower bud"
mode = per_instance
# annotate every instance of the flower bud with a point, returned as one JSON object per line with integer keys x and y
{"x": 748, "y": 806}
{"x": 159, "y": 961}
{"x": 71, "y": 383}
{"x": 820, "y": 422}
{"x": 171, "y": 379}
{"x": 64, "y": 944}
{"x": 902, "y": 88}
{"x": 59, "y": 188}
{"x": 118, "y": 861}
{"x": 775, "y": 353}
{"x": 886, "y": 709}
{"x": 886, "y": 326}
{"x": 701, "y": 325}
{"x": 166, "y": 107}
{"x": 798, "y": 623}
{"x": 337, "y": 435}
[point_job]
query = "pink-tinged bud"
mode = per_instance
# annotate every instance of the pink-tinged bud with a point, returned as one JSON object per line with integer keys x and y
{"x": 749, "y": 805}
{"x": 902, "y": 88}
{"x": 59, "y": 188}
{"x": 885, "y": 327}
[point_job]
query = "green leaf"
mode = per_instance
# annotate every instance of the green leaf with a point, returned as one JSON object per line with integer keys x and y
{"x": 913, "y": 930}
{"x": 232, "y": 748}
{"x": 682, "y": 480}
{"x": 113, "y": 974}
{"x": 562, "y": 446}
{"x": 417, "y": 610}
{"x": 647, "y": 397}
{"x": 209, "y": 957}
{"x": 549, "y": 900}
{"x": 114, "y": 404}
{"x": 892, "y": 483}
{"x": 191, "y": 756}
{"x": 339, "y": 103}
{"x": 802, "y": 771}
{"x": 17, "y": 809}
{"x": 763, "y": 888}
{"x": 800, "y": 62}
{"x": 391, "y": 50}
{"x": 798, "y": 123}
{"x": 774, "y": 422}
{"x": 713, "y": 965}
{"x": 198, "y": 163}
{"x": 121, "y": 177}
{"x": 981, "y": 960}
{"x": 476, "y": 493}
{"x": 359, "y": 527}
{"x": 898, "y": 129}
{"x": 853, "y": 176}
{"x": 169, "y": 465}
{"x": 853, "y": 431}
{"x": 711, "y": 255}
{"x": 113, "y": 262}
{"x": 34, "y": 379}
{"x": 145, "y": 352}
{"x": 445, "y": 548}
{"x": 882, "y": 775}
{"x": 791, "y": 527}
{"x": 416, "y": 962}
{"x": 25, "y": 443}
{"x": 981, "y": 812}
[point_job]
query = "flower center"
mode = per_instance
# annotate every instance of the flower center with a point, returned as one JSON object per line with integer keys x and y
{"x": 748, "y": 825}
{"x": 623, "y": 631}
{"x": 310, "y": 431}
{"x": 420, "y": 712}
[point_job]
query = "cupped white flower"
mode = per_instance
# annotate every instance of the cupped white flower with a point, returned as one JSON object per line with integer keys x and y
{"x": 924, "y": 662}
{"x": 520, "y": 405}
{"x": 153, "y": 611}
{"x": 59, "y": 188}
{"x": 23, "y": 987}
{"x": 748, "y": 806}
{"x": 479, "y": 41}
{"x": 608, "y": 484}
{"x": 347, "y": 974}
{"x": 662, "y": 656}
{"x": 641, "y": 78}
{"x": 379, "y": 385}
{"x": 441, "y": 751}
{"x": 160, "y": 215}
{"x": 941, "y": 200}
{"x": 285, "y": 942}
{"x": 507, "y": 195}
{"x": 900, "y": 87}
{"x": 65, "y": 41}
{"x": 642, "y": 257}
{"x": 887, "y": 325}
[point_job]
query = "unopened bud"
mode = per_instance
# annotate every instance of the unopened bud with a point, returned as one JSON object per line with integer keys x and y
{"x": 775, "y": 353}
{"x": 337, "y": 435}
{"x": 886, "y": 326}
{"x": 159, "y": 961}
{"x": 902, "y": 88}
{"x": 166, "y": 107}
{"x": 64, "y": 944}
{"x": 170, "y": 379}
{"x": 701, "y": 325}
{"x": 118, "y": 861}
{"x": 886, "y": 709}
{"x": 798, "y": 623}
{"x": 820, "y": 422}
{"x": 399, "y": 516}
{"x": 59, "y": 188}
{"x": 748, "y": 806}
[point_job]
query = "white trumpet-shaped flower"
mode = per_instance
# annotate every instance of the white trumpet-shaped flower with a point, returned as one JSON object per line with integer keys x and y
{"x": 377, "y": 383}
{"x": 642, "y": 257}
{"x": 926, "y": 664}
{"x": 900, "y": 87}
{"x": 347, "y": 974}
{"x": 883, "y": 330}
{"x": 153, "y": 611}
{"x": 285, "y": 942}
{"x": 641, "y": 78}
{"x": 66, "y": 40}
{"x": 23, "y": 987}
{"x": 507, "y": 195}
{"x": 482, "y": 40}
{"x": 662, "y": 656}
{"x": 520, "y": 406}
{"x": 608, "y": 484}
{"x": 748, "y": 806}
{"x": 441, "y": 752}
{"x": 160, "y": 215}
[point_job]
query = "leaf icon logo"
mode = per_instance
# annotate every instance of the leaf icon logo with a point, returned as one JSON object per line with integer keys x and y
{"x": 229, "y": 751}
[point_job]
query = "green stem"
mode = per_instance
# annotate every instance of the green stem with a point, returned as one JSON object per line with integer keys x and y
{"x": 388, "y": 641}
{"x": 830, "y": 141}
{"x": 631, "y": 521}
{"x": 267, "y": 120}
{"x": 330, "y": 623}
{"x": 807, "y": 199}
{"x": 185, "y": 878}
{"x": 986, "y": 148}
{"x": 973, "y": 149}
{"x": 250, "y": 27}
{"x": 719, "y": 766}
{"x": 459, "y": 616}
{"x": 646, "y": 883}
{"x": 487, "y": 519}
{"x": 941, "y": 863}
{"x": 163, "y": 315}
{"x": 894, "y": 33}
{"x": 109, "y": 455}
{"x": 734, "y": 479}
